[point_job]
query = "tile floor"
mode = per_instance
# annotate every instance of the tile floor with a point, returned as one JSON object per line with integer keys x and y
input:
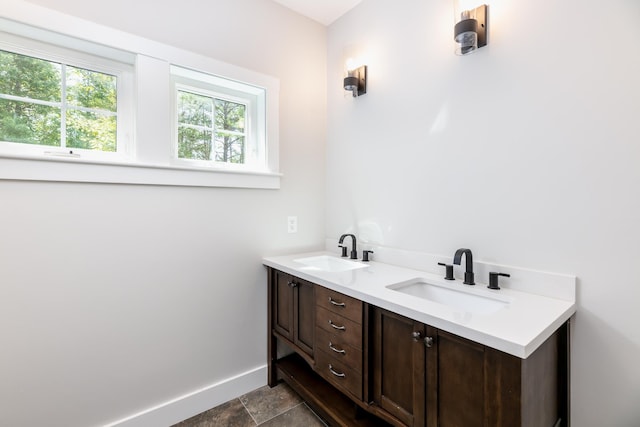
{"x": 266, "y": 407}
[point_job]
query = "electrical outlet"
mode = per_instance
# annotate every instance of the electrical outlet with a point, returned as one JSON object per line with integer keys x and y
{"x": 292, "y": 224}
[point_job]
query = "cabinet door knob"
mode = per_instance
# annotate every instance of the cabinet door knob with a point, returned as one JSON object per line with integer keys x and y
{"x": 415, "y": 336}
{"x": 428, "y": 342}
{"x": 292, "y": 284}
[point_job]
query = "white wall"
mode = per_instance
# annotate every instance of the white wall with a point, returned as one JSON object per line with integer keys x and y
{"x": 527, "y": 152}
{"x": 117, "y": 298}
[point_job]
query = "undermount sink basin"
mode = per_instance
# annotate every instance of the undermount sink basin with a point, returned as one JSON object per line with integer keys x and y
{"x": 458, "y": 299}
{"x": 329, "y": 263}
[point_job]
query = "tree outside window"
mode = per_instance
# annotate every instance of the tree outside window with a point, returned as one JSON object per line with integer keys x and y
{"x": 54, "y": 104}
{"x": 210, "y": 128}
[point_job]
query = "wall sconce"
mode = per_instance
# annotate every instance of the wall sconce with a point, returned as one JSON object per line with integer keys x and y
{"x": 470, "y": 31}
{"x": 356, "y": 80}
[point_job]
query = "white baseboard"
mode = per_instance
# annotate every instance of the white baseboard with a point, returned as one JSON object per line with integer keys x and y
{"x": 183, "y": 407}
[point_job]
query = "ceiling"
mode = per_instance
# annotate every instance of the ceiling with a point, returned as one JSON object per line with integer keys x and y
{"x": 323, "y": 11}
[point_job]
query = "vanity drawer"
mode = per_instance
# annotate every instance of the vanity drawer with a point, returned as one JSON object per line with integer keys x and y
{"x": 339, "y": 374}
{"x": 334, "y": 345}
{"x": 349, "y": 331}
{"x": 341, "y": 304}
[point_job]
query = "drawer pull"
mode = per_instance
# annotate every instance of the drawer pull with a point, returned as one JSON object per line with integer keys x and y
{"x": 337, "y": 374}
{"x": 336, "y": 349}
{"x": 334, "y": 326}
{"x": 336, "y": 303}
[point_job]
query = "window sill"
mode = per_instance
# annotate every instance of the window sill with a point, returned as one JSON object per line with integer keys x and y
{"x": 24, "y": 168}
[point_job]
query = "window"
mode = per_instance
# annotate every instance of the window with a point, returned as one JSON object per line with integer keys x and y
{"x": 70, "y": 94}
{"x": 219, "y": 123}
{"x": 211, "y": 128}
{"x": 57, "y": 103}
{"x": 47, "y": 103}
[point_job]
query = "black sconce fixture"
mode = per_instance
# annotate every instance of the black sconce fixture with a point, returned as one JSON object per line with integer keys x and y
{"x": 356, "y": 81}
{"x": 470, "y": 31}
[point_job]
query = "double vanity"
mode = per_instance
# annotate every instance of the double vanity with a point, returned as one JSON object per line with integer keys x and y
{"x": 375, "y": 344}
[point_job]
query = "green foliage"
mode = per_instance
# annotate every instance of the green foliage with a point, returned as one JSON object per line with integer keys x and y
{"x": 229, "y": 148}
{"x": 229, "y": 116}
{"x": 91, "y": 131}
{"x": 90, "y": 89}
{"x": 229, "y": 119}
{"x": 31, "y": 79}
{"x": 194, "y": 144}
{"x": 194, "y": 109}
{"x": 29, "y": 123}
{"x": 198, "y": 139}
{"x": 28, "y": 77}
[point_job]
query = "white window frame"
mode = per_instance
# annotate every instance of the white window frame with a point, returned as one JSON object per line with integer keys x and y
{"x": 251, "y": 96}
{"x": 68, "y": 57}
{"x": 151, "y": 160}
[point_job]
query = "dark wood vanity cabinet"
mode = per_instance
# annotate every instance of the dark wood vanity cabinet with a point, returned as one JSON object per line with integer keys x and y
{"x": 293, "y": 317}
{"x": 422, "y": 376}
{"x": 361, "y": 365}
{"x": 397, "y": 368}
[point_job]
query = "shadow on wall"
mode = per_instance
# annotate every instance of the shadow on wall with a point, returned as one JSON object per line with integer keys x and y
{"x": 368, "y": 232}
{"x": 619, "y": 352}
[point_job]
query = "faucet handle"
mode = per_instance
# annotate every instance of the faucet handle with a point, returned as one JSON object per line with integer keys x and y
{"x": 493, "y": 279}
{"x": 365, "y": 256}
{"x": 344, "y": 251}
{"x": 449, "y": 271}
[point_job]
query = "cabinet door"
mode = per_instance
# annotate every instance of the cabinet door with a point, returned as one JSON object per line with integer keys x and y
{"x": 456, "y": 382}
{"x": 293, "y": 314}
{"x": 304, "y": 315}
{"x": 282, "y": 313}
{"x": 397, "y": 356}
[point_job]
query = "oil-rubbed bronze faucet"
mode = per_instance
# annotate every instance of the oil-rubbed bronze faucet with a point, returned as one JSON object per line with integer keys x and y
{"x": 354, "y": 252}
{"x": 468, "y": 273}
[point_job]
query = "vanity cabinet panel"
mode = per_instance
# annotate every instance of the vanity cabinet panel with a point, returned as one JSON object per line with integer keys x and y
{"x": 459, "y": 381}
{"x": 347, "y": 330}
{"x": 498, "y": 389}
{"x": 335, "y": 345}
{"x": 344, "y": 377}
{"x": 339, "y": 341}
{"x": 422, "y": 376}
{"x": 397, "y": 363}
{"x": 426, "y": 377}
{"x": 304, "y": 315}
{"x": 283, "y": 305}
{"x": 338, "y": 303}
{"x": 293, "y": 310}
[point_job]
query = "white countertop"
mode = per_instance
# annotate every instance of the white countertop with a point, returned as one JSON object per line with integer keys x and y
{"x": 524, "y": 323}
